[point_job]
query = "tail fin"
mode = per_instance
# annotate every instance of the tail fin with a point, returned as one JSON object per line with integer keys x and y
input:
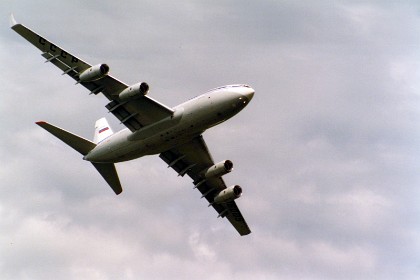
{"x": 102, "y": 130}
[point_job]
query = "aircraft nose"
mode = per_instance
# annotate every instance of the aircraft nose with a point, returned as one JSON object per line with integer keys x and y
{"x": 246, "y": 91}
{"x": 249, "y": 93}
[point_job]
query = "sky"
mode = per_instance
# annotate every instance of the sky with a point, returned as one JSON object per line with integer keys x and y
{"x": 327, "y": 152}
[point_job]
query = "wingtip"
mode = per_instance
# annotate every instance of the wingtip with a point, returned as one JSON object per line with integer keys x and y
{"x": 40, "y": 123}
{"x": 12, "y": 20}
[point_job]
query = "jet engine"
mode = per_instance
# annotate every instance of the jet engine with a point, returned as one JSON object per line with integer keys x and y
{"x": 134, "y": 91}
{"x": 228, "y": 194}
{"x": 219, "y": 169}
{"x": 94, "y": 73}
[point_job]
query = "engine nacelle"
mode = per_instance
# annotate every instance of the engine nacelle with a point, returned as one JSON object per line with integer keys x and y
{"x": 94, "y": 73}
{"x": 219, "y": 169}
{"x": 134, "y": 91}
{"x": 228, "y": 194}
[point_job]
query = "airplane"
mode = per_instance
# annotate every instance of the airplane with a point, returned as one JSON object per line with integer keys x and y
{"x": 175, "y": 134}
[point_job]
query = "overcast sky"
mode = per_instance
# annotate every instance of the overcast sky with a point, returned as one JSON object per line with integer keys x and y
{"x": 327, "y": 152}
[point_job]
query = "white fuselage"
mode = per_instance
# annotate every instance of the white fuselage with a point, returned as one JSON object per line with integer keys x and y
{"x": 189, "y": 120}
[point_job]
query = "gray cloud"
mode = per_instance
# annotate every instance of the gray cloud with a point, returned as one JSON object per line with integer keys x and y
{"x": 326, "y": 152}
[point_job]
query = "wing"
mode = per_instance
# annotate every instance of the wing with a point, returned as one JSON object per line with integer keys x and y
{"x": 134, "y": 114}
{"x": 193, "y": 158}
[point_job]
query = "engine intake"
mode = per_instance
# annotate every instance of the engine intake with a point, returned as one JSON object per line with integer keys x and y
{"x": 228, "y": 194}
{"x": 94, "y": 73}
{"x": 134, "y": 91}
{"x": 219, "y": 169}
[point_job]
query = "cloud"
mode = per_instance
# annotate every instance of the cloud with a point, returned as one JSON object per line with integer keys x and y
{"x": 326, "y": 152}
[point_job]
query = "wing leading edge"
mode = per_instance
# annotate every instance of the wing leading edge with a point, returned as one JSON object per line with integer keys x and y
{"x": 134, "y": 114}
{"x": 192, "y": 158}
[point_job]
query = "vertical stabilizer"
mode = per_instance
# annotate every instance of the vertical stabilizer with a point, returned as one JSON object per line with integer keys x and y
{"x": 102, "y": 130}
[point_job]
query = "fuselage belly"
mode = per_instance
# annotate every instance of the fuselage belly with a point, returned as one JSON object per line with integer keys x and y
{"x": 189, "y": 120}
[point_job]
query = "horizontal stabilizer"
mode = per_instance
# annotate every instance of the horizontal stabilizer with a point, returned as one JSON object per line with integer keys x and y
{"x": 78, "y": 143}
{"x": 109, "y": 173}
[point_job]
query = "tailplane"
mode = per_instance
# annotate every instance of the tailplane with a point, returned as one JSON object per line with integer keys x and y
{"x": 102, "y": 130}
{"x": 109, "y": 173}
{"x": 84, "y": 146}
{"x": 78, "y": 143}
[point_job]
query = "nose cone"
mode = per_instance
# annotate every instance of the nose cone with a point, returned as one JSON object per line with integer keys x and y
{"x": 249, "y": 93}
{"x": 246, "y": 91}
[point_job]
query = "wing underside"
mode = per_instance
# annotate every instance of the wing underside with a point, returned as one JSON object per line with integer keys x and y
{"x": 191, "y": 159}
{"x": 134, "y": 114}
